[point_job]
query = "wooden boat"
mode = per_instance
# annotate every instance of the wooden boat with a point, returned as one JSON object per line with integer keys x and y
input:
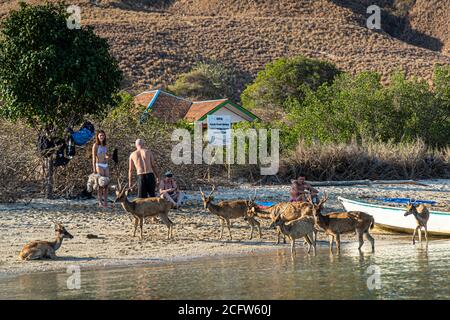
{"x": 393, "y": 217}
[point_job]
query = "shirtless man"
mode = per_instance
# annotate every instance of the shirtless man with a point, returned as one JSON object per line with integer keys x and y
{"x": 147, "y": 174}
{"x": 299, "y": 188}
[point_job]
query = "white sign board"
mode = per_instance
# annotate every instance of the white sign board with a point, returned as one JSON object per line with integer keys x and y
{"x": 219, "y": 130}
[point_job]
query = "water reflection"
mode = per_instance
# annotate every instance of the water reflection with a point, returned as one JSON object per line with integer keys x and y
{"x": 406, "y": 271}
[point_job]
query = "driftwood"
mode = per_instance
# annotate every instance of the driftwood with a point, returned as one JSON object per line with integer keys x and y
{"x": 362, "y": 182}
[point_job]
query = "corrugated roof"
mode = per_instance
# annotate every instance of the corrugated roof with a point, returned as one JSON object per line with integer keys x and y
{"x": 200, "y": 108}
{"x": 145, "y": 97}
{"x": 169, "y": 107}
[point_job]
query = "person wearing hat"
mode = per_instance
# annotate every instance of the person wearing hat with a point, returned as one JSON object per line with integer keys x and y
{"x": 168, "y": 190}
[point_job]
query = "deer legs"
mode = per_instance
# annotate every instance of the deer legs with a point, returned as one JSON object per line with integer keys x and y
{"x": 141, "y": 224}
{"x": 419, "y": 229}
{"x": 279, "y": 233}
{"x": 414, "y": 234}
{"x": 308, "y": 239}
{"x": 229, "y": 229}
{"x": 222, "y": 223}
{"x": 311, "y": 242}
{"x": 165, "y": 219}
{"x": 361, "y": 240}
{"x": 252, "y": 222}
{"x": 336, "y": 238}
{"x": 221, "y": 228}
{"x": 371, "y": 239}
{"x": 136, "y": 222}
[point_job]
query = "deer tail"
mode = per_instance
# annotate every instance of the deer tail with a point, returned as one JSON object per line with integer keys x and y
{"x": 372, "y": 224}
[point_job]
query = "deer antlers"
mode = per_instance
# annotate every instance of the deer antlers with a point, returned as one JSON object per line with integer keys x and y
{"x": 210, "y": 194}
{"x": 321, "y": 201}
{"x": 252, "y": 200}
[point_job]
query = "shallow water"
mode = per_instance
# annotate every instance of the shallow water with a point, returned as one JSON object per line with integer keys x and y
{"x": 405, "y": 272}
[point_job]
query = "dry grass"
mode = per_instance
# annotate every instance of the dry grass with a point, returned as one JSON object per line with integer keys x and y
{"x": 367, "y": 161}
{"x": 21, "y": 173}
{"x": 20, "y": 167}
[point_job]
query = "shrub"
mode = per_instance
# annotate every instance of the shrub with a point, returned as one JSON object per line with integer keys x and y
{"x": 360, "y": 108}
{"x": 204, "y": 81}
{"x": 287, "y": 78}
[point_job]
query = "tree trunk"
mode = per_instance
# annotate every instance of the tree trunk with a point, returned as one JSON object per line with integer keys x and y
{"x": 49, "y": 177}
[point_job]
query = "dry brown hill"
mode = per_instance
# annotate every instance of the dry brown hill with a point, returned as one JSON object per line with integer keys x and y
{"x": 432, "y": 17}
{"x": 155, "y": 40}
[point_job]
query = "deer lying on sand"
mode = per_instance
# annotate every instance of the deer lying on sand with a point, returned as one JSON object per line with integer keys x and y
{"x": 45, "y": 249}
{"x": 142, "y": 208}
{"x": 227, "y": 210}
{"x": 421, "y": 214}
{"x": 336, "y": 223}
{"x": 300, "y": 228}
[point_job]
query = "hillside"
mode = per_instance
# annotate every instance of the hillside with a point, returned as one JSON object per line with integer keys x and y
{"x": 154, "y": 40}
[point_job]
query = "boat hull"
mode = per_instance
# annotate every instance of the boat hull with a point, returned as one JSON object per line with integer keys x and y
{"x": 393, "y": 218}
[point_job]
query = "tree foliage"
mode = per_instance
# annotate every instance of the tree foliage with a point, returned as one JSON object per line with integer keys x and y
{"x": 285, "y": 79}
{"x": 52, "y": 76}
{"x": 361, "y": 108}
{"x": 204, "y": 81}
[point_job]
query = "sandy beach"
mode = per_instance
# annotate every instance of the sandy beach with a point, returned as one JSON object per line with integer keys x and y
{"x": 195, "y": 233}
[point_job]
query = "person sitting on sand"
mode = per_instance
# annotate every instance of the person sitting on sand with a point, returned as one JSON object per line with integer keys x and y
{"x": 168, "y": 190}
{"x": 299, "y": 188}
{"x": 142, "y": 159}
{"x": 100, "y": 165}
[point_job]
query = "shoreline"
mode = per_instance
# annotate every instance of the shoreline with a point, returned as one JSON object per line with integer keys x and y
{"x": 195, "y": 232}
{"x": 115, "y": 264}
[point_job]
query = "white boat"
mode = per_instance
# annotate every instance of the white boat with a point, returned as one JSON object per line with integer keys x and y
{"x": 393, "y": 217}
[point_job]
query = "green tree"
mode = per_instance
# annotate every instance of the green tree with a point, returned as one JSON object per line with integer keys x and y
{"x": 360, "y": 108}
{"x": 204, "y": 81}
{"x": 52, "y": 76}
{"x": 285, "y": 79}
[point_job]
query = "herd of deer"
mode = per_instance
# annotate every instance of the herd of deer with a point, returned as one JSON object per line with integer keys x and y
{"x": 294, "y": 220}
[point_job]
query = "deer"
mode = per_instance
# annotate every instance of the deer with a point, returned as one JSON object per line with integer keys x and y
{"x": 227, "y": 210}
{"x": 421, "y": 214}
{"x": 289, "y": 211}
{"x": 336, "y": 223}
{"x": 142, "y": 208}
{"x": 303, "y": 227}
{"x": 39, "y": 249}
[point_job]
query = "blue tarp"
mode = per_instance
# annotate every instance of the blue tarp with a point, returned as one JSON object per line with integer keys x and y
{"x": 406, "y": 200}
{"x": 396, "y": 200}
{"x": 83, "y": 136}
{"x": 265, "y": 203}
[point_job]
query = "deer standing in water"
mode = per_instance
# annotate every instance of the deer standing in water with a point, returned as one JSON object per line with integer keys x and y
{"x": 303, "y": 227}
{"x": 421, "y": 214}
{"x": 287, "y": 211}
{"x": 227, "y": 210}
{"x": 142, "y": 208}
{"x": 336, "y": 223}
{"x": 45, "y": 249}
